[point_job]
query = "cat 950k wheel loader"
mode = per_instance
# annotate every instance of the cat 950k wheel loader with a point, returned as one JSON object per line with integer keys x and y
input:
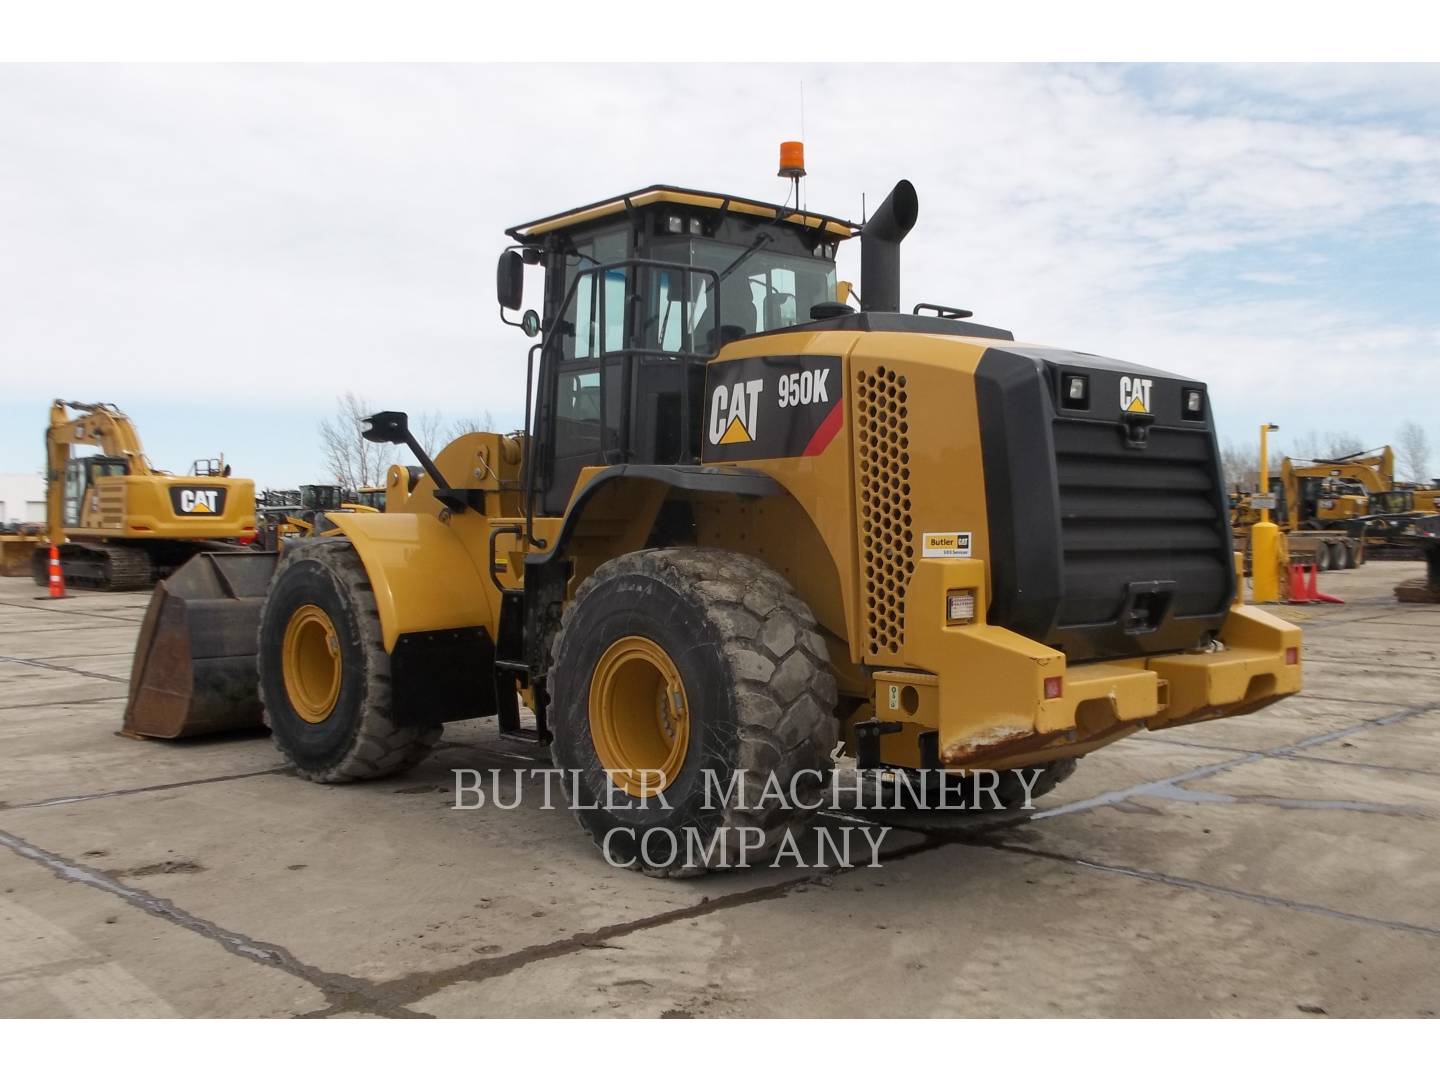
{"x": 744, "y": 523}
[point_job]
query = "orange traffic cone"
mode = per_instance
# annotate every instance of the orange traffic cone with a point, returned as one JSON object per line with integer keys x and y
{"x": 1316, "y": 594}
{"x": 1296, "y": 579}
{"x": 57, "y": 579}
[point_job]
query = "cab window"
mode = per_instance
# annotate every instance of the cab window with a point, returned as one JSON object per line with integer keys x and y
{"x": 594, "y": 319}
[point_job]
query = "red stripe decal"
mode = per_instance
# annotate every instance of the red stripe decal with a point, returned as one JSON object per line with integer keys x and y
{"x": 825, "y": 432}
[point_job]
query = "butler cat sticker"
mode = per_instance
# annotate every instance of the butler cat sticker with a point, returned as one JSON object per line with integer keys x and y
{"x": 772, "y": 407}
{"x": 948, "y": 545}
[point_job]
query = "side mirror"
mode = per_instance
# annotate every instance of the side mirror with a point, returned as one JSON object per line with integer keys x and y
{"x": 530, "y": 323}
{"x": 386, "y": 427}
{"x": 510, "y": 280}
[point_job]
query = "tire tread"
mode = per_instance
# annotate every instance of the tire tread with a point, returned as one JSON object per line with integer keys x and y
{"x": 784, "y": 691}
{"x": 379, "y": 747}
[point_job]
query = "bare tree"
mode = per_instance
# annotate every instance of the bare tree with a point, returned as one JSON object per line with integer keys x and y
{"x": 427, "y": 429}
{"x": 1315, "y": 446}
{"x": 465, "y": 425}
{"x": 1414, "y": 452}
{"x": 1241, "y": 467}
{"x": 1342, "y": 444}
{"x": 1305, "y": 447}
{"x": 354, "y": 462}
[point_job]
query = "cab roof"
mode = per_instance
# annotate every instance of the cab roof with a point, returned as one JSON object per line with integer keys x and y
{"x": 679, "y": 196}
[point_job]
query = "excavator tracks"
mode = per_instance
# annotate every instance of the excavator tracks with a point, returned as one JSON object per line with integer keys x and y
{"x": 111, "y": 567}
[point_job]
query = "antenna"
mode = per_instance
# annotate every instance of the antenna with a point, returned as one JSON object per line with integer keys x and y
{"x": 802, "y": 139}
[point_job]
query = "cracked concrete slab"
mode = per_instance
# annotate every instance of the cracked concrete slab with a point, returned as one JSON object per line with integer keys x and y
{"x": 71, "y": 951}
{"x": 1282, "y": 724}
{"x": 379, "y": 880}
{"x": 243, "y": 894}
{"x": 1288, "y": 828}
{"x": 1413, "y": 744}
{"x": 966, "y": 931}
{"x": 60, "y": 751}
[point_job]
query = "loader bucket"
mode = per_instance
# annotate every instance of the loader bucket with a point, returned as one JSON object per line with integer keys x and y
{"x": 194, "y": 670}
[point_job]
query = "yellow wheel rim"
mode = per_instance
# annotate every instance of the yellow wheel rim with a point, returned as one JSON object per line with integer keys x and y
{"x": 310, "y": 659}
{"x": 639, "y": 716}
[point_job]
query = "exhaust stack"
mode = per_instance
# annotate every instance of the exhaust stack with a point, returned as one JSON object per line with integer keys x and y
{"x": 880, "y": 248}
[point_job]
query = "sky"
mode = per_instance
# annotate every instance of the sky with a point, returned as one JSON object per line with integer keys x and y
{"x": 222, "y": 250}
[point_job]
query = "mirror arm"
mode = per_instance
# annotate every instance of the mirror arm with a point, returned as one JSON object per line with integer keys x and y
{"x": 458, "y": 500}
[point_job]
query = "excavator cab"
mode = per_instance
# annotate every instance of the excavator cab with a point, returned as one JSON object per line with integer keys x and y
{"x": 81, "y": 475}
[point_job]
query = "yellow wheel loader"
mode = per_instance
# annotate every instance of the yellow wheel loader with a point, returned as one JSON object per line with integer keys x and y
{"x": 118, "y": 521}
{"x": 746, "y": 527}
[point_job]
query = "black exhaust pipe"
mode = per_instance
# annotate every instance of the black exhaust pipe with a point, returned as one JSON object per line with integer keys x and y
{"x": 880, "y": 248}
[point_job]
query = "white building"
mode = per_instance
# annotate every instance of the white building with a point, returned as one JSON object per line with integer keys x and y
{"x": 22, "y": 497}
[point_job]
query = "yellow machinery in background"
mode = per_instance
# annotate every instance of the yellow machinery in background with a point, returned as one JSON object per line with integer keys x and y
{"x": 747, "y": 522}
{"x": 1318, "y": 495}
{"x": 18, "y": 544}
{"x": 305, "y": 511}
{"x": 120, "y": 522}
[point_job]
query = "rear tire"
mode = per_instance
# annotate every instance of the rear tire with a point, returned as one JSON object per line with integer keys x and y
{"x": 758, "y": 696}
{"x": 1322, "y": 558}
{"x": 332, "y": 726}
{"x": 1349, "y": 556}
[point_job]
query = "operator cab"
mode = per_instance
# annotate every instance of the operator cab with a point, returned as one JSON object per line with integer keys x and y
{"x": 81, "y": 474}
{"x": 640, "y": 291}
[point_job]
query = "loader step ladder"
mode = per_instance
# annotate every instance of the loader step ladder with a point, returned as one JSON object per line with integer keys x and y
{"x": 512, "y": 673}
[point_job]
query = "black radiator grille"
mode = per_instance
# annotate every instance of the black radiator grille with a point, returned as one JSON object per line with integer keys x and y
{"x": 1130, "y": 515}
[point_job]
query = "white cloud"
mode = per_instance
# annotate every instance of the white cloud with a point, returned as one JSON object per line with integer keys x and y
{"x": 244, "y": 234}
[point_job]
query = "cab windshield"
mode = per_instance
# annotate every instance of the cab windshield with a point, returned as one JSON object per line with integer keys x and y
{"x": 760, "y": 289}
{"x": 1392, "y": 502}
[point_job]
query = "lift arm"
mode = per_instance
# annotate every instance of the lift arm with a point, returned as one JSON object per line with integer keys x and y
{"x": 93, "y": 424}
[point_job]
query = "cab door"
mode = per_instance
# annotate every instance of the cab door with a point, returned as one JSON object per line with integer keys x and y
{"x": 586, "y": 387}
{"x": 74, "y": 491}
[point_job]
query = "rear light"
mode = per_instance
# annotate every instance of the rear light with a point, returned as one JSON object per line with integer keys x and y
{"x": 1054, "y": 687}
{"x": 959, "y": 607}
{"x": 1192, "y": 406}
{"x": 1077, "y": 392}
{"x": 1292, "y": 655}
{"x": 141, "y": 528}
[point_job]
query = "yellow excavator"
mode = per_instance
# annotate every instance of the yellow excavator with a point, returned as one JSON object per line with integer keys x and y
{"x": 118, "y": 521}
{"x": 745, "y": 523}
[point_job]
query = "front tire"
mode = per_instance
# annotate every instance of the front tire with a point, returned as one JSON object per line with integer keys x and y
{"x": 324, "y": 672}
{"x": 704, "y": 662}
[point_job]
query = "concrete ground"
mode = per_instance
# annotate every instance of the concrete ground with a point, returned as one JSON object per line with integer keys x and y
{"x": 1281, "y": 864}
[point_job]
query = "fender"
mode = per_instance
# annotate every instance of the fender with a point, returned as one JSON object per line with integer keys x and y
{"x": 422, "y": 573}
{"x": 547, "y": 573}
{"x": 707, "y": 479}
